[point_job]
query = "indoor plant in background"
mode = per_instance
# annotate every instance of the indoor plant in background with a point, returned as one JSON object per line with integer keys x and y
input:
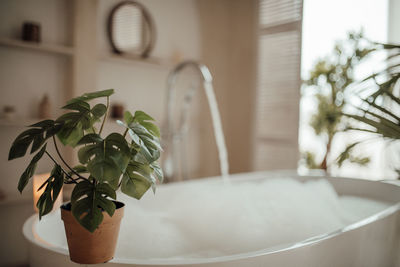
{"x": 126, "y": 160}
{"x": 379, "y": 112}
{"x": 330, "y": 82}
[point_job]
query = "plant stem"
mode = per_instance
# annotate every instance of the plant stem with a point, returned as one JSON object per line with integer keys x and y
{"x": 48, "y": 154}
{"x": 66, "y": 174}
{"x": 324, "y": 164}
{"x": 105, "y": 115}
{"x": 126, "y": 131}
{"x": 62, "y": 159}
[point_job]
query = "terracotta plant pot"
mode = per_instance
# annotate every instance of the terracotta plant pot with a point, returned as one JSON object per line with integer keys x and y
{"x": 91, "y": 248}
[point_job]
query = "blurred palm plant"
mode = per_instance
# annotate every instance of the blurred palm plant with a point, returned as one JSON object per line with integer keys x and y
{"x": 330, "y": 79}
{"x": 379, "y": 113}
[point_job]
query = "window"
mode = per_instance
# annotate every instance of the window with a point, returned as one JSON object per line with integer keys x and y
{"x": 278, "y": 85}
{"x": 324, "y": 22}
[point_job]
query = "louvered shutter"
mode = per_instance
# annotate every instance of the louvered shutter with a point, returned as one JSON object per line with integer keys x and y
{"x": 278, "y": 85}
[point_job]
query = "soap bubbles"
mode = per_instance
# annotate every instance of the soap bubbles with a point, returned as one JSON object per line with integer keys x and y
{"x": 209, "y": 219}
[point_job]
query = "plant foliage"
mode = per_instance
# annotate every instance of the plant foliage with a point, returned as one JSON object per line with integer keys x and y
{"x": 330, "y": 82}
{"x": 127, "y": 159}
{"x": 380, "y": 110}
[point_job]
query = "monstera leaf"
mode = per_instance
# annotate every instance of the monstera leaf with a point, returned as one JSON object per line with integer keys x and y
{"x": 75, "y": 123}
{"x": 137, "y": 180}
{"x": 53, "y": 187}
{"x": 143, "y": 119}
{"x": 90, "y": 96}
{"x": 145, "y": 136}
{"x": 88, "y": 200}
{"x": 37, "y": 136}
{"x": 157, "y": 171}
{"x": 139, "y": 177}
{"x": 30, "y": 170}
{"x": 107, "y": 158}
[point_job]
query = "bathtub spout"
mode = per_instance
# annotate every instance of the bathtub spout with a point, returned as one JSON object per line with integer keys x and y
{"x": 174, "y": 136}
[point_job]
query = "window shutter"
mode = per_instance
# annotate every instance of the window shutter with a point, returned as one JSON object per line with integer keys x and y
{"x": 278, "y": 85}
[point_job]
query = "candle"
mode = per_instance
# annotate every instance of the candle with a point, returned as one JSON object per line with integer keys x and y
{"x": 38, "y": 180}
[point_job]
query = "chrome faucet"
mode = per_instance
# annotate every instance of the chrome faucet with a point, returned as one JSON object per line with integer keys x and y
{"x": 174, "y": 138}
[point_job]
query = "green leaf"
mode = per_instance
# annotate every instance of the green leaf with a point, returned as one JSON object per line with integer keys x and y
{"x": 142, "y": 119}
{"x": 140, "y": 116}
{"x": 144, "y": 170}
{"x": 88, "y": 215}
{"x": 133, "y": 184}
{"x": 128, "y": 117}
{"x": 53, "y": 188}
{"x": 36, "y": 136}
{"x": 362, "y": 161}
{"x": 383, "y": 109}
{"x": 88, "y": 201}
{"x": 107, "y": 190}
{"x": 157, "y": 171}
{"x": 79, "y": 121}
{"x": 383, "y": 121}
{"x": 346, "y": 153}
{"x": 44, "y": 204}
{"x": 309, "y": 159}
{"x": 20, "y": 145}
{"x": 152, "y": 128}
{"x": 106, "y": 159}
{"x": 30, "y": 170}
{"x": 81, "y": 106}
{"x": 74, "y": 125}
{"x": 386, "y": 129}
{"x": 87, "y": 152}
{"x": 106, "y": 204}
{"x": 93, "y": 95}
{"x": 99, "y": 110}
{"x": 38, "y": 141}
{"x": 71, "y": 134}
{"x": 81, "y": 189}
{"x": 389, "y": 46}
{"x": 147, "y": 144}
{"x": 80, "y": 169}
{"x": 43, "y": 124}
{"x": 90, "y": 138}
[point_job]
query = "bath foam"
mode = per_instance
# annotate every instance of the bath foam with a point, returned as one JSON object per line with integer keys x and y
{"x": 217, "y": 219}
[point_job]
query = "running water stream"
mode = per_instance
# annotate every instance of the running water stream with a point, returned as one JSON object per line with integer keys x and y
{"x": 218, "y": 131}
{"x": 215, "y": 115}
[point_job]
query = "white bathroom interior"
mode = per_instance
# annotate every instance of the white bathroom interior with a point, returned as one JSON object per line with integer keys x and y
{"x": 258, "y": 53}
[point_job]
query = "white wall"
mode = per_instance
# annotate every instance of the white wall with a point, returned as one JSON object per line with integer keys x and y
{"x": 30, "y": 73}
{"x": 176, "y": 23}
{"x": 25, "y": 76}
{"x": 229, "y": 43}
{"x": 54, "y": 17}
{"x": 143, "y": 86}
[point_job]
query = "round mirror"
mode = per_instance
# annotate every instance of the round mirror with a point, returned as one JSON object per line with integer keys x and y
{"x": 131, "y": 29}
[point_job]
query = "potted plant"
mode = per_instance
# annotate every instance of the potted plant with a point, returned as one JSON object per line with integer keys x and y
{"x": 330, "y": 82}
{"x": 126, "y": 160}
{"x": 378, "y": 114}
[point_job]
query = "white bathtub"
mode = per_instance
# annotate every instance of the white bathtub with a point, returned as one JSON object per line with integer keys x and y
{"x": 373, "y": 241}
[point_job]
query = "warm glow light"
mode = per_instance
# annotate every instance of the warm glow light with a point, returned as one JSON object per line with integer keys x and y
{"x": 38, "y": 180}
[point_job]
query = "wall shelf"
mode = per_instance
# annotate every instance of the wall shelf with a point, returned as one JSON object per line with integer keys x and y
{"x": 24, "y": 122}
{"x": 18, "y": 122}
{"x": 41, "y": 47}
{"x": 125, "y": 59}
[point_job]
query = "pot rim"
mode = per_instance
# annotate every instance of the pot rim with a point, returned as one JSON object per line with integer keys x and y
{"x": 67, "y": 205}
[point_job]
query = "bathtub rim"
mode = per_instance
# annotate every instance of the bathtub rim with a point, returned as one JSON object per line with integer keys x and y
{"x": 31, "y": 235}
